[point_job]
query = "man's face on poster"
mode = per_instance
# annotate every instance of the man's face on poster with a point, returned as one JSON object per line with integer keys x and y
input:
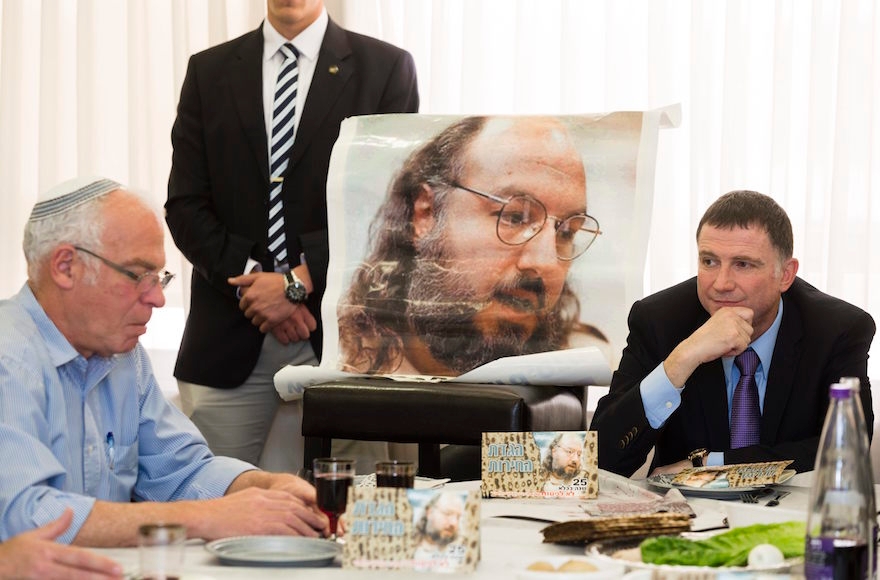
{"x": 474, "y": 297}
{"x": 566, "y": 457}
{"x": 443, "y": 519}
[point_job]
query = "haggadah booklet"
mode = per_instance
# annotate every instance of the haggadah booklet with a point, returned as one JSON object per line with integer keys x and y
{"x": 540, "y": 464}
{"x": 427, "y": 530}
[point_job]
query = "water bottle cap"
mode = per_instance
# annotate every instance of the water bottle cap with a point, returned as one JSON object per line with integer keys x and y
{"x": 840, "y": 391}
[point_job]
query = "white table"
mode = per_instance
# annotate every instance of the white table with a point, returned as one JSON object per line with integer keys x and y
{"x": 505, "y": 542}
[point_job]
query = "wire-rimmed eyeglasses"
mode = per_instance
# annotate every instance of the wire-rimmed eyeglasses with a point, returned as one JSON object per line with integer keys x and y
{"x": 143, "y": 282}
{"x": 571, "y": 450}
{"x": 522, "y": 217}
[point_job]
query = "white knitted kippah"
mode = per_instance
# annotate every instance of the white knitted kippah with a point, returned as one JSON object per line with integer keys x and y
{"x": 69, "y": 194}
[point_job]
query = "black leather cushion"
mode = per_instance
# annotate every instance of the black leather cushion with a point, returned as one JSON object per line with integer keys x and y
{"x": 386, "y": 410}
{"x": 461, "y": 462}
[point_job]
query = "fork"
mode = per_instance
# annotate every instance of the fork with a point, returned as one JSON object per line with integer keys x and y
{"x": 776, "y": 498}
{"x": 748, "y": 497}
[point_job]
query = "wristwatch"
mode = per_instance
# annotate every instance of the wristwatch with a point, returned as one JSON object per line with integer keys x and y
{"x": 698, "y": 457}
{"x": 294, "y": 289}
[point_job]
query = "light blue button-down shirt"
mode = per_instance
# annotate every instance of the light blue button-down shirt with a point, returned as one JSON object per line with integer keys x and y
{"x": 73, "y": 430}
{"x": 660, "y": 397}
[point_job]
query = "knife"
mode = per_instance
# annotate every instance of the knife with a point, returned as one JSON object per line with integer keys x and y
{"x": 776, "y": 498}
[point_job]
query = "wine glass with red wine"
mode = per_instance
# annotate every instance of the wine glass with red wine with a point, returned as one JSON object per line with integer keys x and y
{"x": 333, "y": 476}
{"x": 394, "y": 473}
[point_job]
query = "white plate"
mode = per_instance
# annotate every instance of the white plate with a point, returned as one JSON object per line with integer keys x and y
{"x": 274, "y": 551}
{"x": 747, "y": 514}
{"x": 603, "y": 550}
{"x": 664, "y": 481}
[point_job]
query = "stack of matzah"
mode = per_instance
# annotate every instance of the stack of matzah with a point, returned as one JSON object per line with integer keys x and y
{"x": 603, "y": 528}
{"x": 736, "y": 475}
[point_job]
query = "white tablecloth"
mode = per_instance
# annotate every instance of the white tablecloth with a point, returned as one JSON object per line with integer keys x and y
{"x": 506, "y": 543}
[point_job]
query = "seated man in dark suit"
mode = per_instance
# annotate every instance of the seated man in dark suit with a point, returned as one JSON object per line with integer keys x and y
{"x": 732, "y": 366}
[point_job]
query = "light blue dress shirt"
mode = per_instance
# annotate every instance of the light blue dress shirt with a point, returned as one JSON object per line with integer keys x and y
{"x": 73, "y": 430}
{"x": 660, "y": 397}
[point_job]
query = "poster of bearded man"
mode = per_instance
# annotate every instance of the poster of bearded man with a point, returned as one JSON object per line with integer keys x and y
{"x": 456, "y": 241}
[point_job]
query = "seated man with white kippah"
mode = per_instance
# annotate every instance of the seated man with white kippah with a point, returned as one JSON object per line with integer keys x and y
{"x": 83, "y": 423}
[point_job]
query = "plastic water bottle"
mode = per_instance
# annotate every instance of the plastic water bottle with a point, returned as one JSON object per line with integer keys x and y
{"x": 841, "y": 522}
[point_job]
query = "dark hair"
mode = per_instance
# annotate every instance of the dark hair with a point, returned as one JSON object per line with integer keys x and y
{"x": 372, "y": 305}
{"x": 744, "y": 209}
{"x": 437, "y": 163}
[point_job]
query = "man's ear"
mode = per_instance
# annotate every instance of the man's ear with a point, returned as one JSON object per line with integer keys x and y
{"x": 61, "y": 267}
{"x": 423, "y": 212}
{"x": 789, "y": 271}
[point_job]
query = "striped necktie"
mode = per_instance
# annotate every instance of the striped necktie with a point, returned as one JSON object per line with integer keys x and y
{"x": 282, "y": 139}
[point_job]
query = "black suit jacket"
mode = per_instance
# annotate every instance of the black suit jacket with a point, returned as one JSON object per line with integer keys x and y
{"x": 820, "y": 340}
{"x": 219, "y": 185}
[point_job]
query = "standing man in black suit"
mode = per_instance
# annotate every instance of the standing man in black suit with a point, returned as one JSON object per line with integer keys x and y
{"x": 252, "y": 309}
{"x": 677, "y": 385}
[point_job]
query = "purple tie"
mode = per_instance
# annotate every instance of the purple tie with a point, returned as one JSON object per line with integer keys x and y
{"x": 745, "y": 416}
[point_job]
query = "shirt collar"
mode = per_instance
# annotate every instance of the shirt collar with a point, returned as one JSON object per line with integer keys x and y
{"x": 59, "y": 348}
{"x": 764, "y": 344}
{"x": 307, "y": 43}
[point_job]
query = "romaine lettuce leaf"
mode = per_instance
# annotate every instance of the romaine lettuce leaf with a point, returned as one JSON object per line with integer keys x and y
{"x": 727, "y": 549}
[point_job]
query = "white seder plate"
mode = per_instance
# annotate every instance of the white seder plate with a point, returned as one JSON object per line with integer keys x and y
{"x": 279, "y": 551}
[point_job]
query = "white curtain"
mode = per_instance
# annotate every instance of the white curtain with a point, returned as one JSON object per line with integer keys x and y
{"x": 91, "y": 87}
{"x": 782, "y": 97}
{"x": 778, "y": 96}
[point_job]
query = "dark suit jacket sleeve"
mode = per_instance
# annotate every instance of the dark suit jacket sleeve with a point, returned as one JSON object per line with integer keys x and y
{"x": 625, "y": 436}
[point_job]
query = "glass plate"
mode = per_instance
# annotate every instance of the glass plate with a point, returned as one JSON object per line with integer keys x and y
{"x": 664, "y": 481}
{"x": 274, "y": 551}
{"x": 605, "y": 549}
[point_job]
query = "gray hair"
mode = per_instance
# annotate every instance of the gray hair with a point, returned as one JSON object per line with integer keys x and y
{"x": 82, "y": 225}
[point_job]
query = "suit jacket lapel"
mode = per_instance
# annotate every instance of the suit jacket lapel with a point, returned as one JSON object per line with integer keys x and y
{"x": 711, "y": 391}
{"x": 332, "y": 72}
{"x": 780, "y": 382}
{"x": 246, "y": 82}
